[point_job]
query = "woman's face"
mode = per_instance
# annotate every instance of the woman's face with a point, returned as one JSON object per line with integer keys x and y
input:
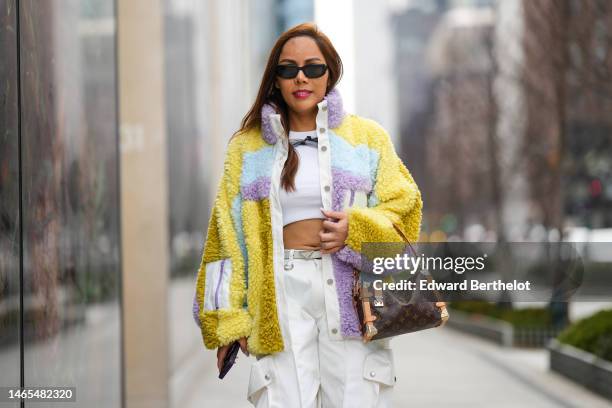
{"x": 301, "y": 51}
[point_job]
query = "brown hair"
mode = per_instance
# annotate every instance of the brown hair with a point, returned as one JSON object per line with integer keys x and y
{"x": 268, "y": 93}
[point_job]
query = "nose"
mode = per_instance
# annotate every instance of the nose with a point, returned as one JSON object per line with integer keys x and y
{"x": 301, "y": 77}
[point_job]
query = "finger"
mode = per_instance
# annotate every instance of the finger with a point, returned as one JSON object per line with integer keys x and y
{"x": 243, "y": 346}
{"x": 327, "y": 236}
{"x": 331, "y": 247}
{"x": 327, "y": 213}
{"x": 330, "y": 225}
{"x": 331, "y": 244}
{"x": 334, "y": 214}
{"x": 334, "y": 249}
{"x": 220, "y": 357}
{"x": 337, "y": 245}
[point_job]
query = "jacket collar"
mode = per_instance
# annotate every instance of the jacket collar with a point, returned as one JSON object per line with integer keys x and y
{"x": 272, "y": 129}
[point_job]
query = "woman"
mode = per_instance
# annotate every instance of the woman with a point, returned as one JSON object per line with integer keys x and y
{"x": 304, "y": 184}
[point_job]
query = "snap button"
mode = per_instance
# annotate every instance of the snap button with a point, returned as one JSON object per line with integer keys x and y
{"x": 394, "y": 379}
{"x": 321, "y": 130}
{"x": 334, "y": 330}
{"x": 372, "y": 374}
{"x": 288, "y": 267}
{"x": 324, "y": 108}
{"x": 330, "y": 281}
{"x": 267, "y": 376}
{"x": 326, "y": 188}
{"x": 323, "y": 148}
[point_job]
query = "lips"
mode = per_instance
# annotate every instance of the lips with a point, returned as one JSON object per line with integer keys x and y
{"x": 302, "y": 94}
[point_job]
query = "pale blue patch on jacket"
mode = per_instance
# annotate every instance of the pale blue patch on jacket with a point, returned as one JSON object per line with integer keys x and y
{"x": 236, "y": 213}
{"x": 353, "y": 159}
{"x": 372, "y": 199}
{"x": 374, "y": 159}
{"x": 256, "y": 165}
{"x": 350, "y": 158}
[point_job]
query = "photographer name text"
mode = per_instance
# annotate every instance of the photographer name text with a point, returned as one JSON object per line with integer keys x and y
{"x": 472, "y": 284}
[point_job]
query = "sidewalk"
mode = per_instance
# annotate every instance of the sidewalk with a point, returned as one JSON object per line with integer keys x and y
{"x": 458, "y": 370}
{"x": 435, "y": 368}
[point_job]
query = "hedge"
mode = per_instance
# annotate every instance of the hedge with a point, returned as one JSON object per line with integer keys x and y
{"x": 531, "y": 317}
{"x": 592, "y": 334}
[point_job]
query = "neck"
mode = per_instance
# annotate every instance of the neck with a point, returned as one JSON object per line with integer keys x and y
{"x": 302, "y": 122}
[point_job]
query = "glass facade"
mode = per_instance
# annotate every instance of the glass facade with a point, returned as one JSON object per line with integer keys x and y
{"x": 67, "y": 173}
{"x": 10, "y": 234}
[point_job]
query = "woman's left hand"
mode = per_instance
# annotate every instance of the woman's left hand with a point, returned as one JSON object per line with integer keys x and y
{"x": 335, "y": 231}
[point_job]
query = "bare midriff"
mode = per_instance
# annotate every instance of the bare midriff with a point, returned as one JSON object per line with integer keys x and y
{"x": 303, "y": 234}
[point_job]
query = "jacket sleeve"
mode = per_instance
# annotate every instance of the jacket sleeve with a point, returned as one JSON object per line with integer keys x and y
{"x": 395, "y": 200}
{"x": 220, "y": 297}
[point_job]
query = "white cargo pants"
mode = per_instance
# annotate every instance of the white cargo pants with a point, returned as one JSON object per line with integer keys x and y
{"x": 315, "y": 371}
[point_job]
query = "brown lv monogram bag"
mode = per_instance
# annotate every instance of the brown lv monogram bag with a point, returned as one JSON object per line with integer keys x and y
{"x": 393, "y": 312}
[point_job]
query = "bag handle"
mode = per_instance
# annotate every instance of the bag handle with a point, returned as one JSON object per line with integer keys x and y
{"x": 405, "y": 238}
{"x": 443, "y": 310}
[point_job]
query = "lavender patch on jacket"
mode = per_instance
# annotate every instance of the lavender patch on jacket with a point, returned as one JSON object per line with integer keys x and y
{"x": 266, "y": 123}
{"x": 257, "y": 190}
{"x": 335, "y": 109}
{"x": 350, "y": 256}
{"x": 349, "y": 322}
{"x": 219, "y": 284}
{"x": 196, "y": 310}
{"x": 344, "y": 260}
{"x": 344, "y": 180}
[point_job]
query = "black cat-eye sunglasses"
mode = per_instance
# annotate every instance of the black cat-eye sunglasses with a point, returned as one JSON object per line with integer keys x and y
{"x": 310, "y": 70}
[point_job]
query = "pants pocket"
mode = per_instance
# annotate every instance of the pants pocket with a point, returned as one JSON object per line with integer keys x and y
{"x": 259, "y": 383}
{"x": 379, "y": 371}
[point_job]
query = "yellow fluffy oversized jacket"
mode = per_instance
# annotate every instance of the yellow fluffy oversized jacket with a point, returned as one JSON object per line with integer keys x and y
{"x": 235, "y": 289}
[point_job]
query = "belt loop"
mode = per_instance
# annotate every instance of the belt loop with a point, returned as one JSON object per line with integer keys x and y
{"x": 289, "y": 262}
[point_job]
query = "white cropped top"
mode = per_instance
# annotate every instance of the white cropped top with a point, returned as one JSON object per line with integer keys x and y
{"x": 305, "y": 201}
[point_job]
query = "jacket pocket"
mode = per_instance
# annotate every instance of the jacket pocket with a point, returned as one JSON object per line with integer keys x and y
{"x": 378, "y": 367}
{"x": 216, "y": 291}
{"x": 259, "y": 381}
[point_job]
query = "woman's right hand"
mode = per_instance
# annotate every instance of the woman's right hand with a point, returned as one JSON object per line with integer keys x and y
{"x": 222, "y": 351}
